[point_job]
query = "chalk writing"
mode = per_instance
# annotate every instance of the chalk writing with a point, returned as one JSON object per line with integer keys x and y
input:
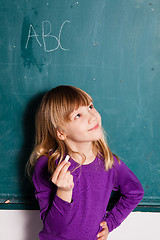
{"x": 46, "y": 35}
{"x": 148, "y": 156}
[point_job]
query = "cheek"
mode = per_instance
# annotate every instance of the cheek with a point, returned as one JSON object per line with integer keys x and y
{"x": 73, "y": 130}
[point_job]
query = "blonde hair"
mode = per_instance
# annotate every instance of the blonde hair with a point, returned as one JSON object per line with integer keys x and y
{"x": 55, "y": 109}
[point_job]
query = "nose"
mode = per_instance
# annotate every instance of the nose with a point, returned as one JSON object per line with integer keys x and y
{"x": 92, "y": 118}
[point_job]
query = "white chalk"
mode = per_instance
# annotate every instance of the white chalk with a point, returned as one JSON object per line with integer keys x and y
{"x": 67, "y": 158}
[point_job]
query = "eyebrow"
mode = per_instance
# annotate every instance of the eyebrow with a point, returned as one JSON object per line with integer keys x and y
{"x": 75, "y": 112}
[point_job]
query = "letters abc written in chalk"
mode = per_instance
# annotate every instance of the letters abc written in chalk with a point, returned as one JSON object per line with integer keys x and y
{"x": 32, "y": 34}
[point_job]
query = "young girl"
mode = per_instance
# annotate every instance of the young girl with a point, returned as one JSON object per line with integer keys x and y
{"x": 75, "y": 171}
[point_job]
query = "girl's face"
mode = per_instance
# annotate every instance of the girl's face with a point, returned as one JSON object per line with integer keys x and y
{"x": 84, "y": 126}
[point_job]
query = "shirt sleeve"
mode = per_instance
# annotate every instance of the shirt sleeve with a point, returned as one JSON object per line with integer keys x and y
{"x": 54, "y": 211}
{"x": 131, "y": 193}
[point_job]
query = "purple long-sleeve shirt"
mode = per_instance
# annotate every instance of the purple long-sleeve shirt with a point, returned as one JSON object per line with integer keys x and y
{"x": 81, "y": 218}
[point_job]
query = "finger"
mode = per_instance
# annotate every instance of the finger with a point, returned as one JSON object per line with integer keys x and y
{"x": 70, "y": 181}
{"x": 65, "y": 182}
{"x": 58, "y": 170}
{"x": 102, "y": 238}
{"x": 102, "y": 233}
{"x": 64, "y": 172}
{"x": 103, "y": 224}
{"x": 67, "y": 177}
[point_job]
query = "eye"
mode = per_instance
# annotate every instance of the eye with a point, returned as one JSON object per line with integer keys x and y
{"x": 91, "y": 106}
{"x": 78, "y": 116}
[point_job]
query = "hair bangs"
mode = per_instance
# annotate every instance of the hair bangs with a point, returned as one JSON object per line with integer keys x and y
{"x": 75, "y": 99}
{"x": 69, "y": 99}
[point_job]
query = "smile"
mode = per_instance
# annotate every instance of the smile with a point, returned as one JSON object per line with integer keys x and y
{"x": 95, "y": 127}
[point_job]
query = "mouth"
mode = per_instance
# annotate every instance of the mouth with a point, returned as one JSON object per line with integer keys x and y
{"x": 95, "y": 127}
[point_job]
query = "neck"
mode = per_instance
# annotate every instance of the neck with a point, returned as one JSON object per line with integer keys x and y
{"x": 82, "y": 149}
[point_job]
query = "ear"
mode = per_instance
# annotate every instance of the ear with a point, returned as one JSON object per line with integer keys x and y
{"x": 61, "y": 134}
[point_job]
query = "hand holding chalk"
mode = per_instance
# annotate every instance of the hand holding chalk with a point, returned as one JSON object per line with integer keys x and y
{"x": 63, "y": 179}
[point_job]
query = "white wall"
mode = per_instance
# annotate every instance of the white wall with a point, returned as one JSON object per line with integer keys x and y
{"x": 25, "y": 225}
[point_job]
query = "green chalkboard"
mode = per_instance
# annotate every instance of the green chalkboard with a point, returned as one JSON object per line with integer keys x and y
{"x": 109, "y": 48}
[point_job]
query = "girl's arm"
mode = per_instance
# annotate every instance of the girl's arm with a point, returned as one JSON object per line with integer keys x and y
{"x": 55, "y": 211}
{"x": 131, "y": 194}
